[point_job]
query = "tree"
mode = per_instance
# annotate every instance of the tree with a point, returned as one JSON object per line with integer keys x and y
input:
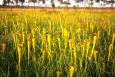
{"x": 43, "y": 1}
{"x": 52, "y": 2}
{"x": 22, "y": 1}
{"x": 4, "y": 2}
{"x": 112, "y": 2}
{"x": 8, "y": 1}
{"x": 97, "y": 0}
{"x": 34, "y": 1}
{"x": 16, "y": 2}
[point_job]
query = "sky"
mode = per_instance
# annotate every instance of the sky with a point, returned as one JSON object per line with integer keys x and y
{"x": 1, "y": 2}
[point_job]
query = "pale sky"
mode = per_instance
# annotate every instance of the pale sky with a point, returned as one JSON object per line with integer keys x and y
{"x": 1, "y": 2}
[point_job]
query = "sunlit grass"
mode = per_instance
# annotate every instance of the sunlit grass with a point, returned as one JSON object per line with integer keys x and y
{"x": 57, "y": 44}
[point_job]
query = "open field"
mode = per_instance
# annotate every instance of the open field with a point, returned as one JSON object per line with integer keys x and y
{"x": 57, "y": 43}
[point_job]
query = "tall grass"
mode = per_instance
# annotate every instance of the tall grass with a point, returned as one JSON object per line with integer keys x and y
{"x": 57, "y": 44}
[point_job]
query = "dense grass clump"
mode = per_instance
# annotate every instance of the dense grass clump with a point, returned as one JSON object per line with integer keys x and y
{"x": 57, "y": 44}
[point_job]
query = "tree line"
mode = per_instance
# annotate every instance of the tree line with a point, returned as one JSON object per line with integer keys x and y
{"x": 5, "y": 2}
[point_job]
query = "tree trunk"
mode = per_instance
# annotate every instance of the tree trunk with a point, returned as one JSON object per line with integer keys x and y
{"x": 22, "y": 3}
{"x": 112, "y": 1}
{"x": 34, "y": 5}
{"x": 28, "y": 3}
{"x": 43, "y": 1}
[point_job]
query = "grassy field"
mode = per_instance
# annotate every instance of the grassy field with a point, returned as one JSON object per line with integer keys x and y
{"x": 30, "y": 9}
{"x": 57, "y": 44}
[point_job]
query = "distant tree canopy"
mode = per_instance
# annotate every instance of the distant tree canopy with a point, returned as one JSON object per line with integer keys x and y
{"x": 8, "y": 1}
{"x": 22, "y": 1}
{"x": 16, "y": 2}
{"x": 33, "y": 1}
{"x": 4, "y": 2}
{"x": 42, "y": 1}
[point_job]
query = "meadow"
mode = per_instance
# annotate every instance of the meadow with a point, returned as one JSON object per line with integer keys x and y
{"x": 57, "y": 44}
